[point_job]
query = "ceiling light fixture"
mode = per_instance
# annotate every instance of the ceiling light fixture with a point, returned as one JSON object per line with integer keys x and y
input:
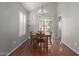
{"x": 42, "y": 11}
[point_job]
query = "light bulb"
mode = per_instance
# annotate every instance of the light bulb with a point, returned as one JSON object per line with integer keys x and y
{"x": 44, "y": 10}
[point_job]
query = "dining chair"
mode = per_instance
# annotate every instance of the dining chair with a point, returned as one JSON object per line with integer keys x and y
{"x": 49, "y": 38}
{"x": 32, "y": 38}
{"x": 42, "y": 40}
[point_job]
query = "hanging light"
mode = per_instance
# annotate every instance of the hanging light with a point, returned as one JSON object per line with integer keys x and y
{"x": 42, "y": 11}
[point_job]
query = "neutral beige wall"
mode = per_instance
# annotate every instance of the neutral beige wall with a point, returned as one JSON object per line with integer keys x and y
{"x": 70, "y": 24}
{"x": 9, "y": 26}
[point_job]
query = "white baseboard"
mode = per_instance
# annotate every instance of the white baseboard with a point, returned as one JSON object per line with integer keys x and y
{"x": 16, "y": 48}
{"x": 70, "y": 48}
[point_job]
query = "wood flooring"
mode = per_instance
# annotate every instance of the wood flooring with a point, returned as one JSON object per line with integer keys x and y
{"x": 56, "y": 49}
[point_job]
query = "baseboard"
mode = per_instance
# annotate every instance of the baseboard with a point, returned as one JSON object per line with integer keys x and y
{"x": 70, "y": 48}
{"x": 16, "y": 48}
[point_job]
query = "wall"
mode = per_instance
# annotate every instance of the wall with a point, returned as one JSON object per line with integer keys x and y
{"x": 70, "y": 24}
{"x": 52, "y": 13}
{"x": 9, "y": 26}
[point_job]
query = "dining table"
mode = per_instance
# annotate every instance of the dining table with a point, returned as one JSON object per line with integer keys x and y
{"x": 41, "y": 37}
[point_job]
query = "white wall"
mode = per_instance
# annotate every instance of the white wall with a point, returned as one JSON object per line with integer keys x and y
{"x": 52, "y": 13}
{"x": 70, "y": 24}
{"x": 9, "y": 26}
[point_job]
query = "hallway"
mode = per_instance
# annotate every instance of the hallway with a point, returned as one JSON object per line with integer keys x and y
{"x": 59, "y": 19}
{"x": 57, "y": 49}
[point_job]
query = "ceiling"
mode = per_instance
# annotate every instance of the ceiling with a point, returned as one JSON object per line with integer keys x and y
{"x": 32, "y": 5}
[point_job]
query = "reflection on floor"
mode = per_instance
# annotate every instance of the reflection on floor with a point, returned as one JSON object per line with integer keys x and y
{"x": 57, "y": 49}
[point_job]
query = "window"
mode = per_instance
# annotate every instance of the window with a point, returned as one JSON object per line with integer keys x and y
{"x": 45, "y": 25}
{"x": 22, "y": 24}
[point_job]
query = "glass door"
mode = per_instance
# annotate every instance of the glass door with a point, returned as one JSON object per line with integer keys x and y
{"x": 45, "y": 25}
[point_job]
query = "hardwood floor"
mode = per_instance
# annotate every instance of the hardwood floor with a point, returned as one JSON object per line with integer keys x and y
{"x": 57, "y": 49}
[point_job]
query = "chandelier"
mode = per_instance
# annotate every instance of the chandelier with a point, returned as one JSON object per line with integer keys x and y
{"x": 42, "y": 11}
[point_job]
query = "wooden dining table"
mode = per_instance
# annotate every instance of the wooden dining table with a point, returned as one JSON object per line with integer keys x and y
{"x": 41, "y": 37}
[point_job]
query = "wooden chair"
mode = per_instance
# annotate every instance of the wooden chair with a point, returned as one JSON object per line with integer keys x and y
{"x": 42, "y": 39}
{"x": 32, "y": 37}
{"x": 49, "y": 38}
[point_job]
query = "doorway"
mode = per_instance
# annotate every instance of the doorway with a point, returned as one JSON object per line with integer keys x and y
{"x": 45, "y": 24}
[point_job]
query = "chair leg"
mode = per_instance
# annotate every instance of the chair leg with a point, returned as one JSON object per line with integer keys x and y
{"x": 46, "y": 46}
{"x": 40, "y": 46}
{"x": 34, "y": 44}
{"x": 50, "y": 41}
{"x": 30, "y": 41}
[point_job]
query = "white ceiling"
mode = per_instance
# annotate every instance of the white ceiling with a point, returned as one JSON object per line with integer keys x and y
{"x": 32, "y": 5}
